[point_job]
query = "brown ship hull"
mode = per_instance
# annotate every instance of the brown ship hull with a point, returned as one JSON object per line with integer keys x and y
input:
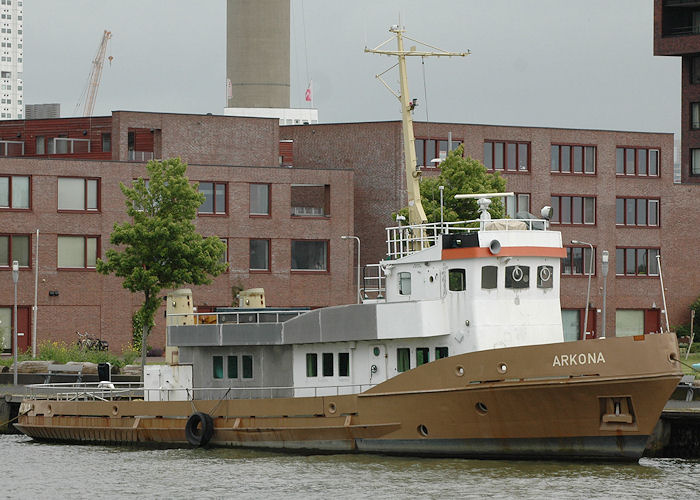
{"x": 591, "y": 399}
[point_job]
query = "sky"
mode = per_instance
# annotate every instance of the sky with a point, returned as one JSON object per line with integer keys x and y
{"x": 551, "y": 63}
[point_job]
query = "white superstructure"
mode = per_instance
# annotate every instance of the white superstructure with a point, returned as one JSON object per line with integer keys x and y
{"x": 11, "y": 60}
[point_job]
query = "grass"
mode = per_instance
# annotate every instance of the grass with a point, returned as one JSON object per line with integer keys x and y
{"x": 60, "y": 352}
{"x": 693, "y": 357}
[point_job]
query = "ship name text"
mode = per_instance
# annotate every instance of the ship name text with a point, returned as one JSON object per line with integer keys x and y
{"x": 591, "y": 358}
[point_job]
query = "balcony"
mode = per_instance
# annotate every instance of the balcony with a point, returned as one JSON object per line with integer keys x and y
{"x": 141, "y": 156}
{"x": 11, "y": 148}
{"x": 67, "y": 146}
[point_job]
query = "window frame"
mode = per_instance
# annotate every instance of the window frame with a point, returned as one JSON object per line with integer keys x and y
{"x": 311, "y": 271}
{"x": 625, "y": 250}
{"x": 514, "y": 199}
{"x": 9, "y": 251}
{"x": 635, "y": 151}
{"x": 9, "y": 207}
{"x": 269, "y": 246}
{"x": 694, "y": 109}
{"x": 572, "y": 155}
{"x": 584, "y": 262}
{"x": 694, "y": 170}
{"x": 215, "y": 212}
{"x": 269, "y": 200}
{"x": 559, "y": 204}
{"x": 85, "y": 237}
{"x": 311, "y": 365}
{"x": 649, "y": 201}
{"x": 425, "y": 162}
{"x": 85, "y": 210}
{"x": 505, "y": 155}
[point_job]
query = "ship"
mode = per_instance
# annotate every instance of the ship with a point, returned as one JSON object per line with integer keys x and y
{"x": 458, "y": 351}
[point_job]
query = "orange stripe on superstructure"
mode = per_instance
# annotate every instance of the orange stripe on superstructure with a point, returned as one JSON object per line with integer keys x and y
{"x": 481, "y": 252}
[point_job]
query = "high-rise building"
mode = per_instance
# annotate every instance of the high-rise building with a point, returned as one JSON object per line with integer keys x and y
{"x": 11, "y": 65}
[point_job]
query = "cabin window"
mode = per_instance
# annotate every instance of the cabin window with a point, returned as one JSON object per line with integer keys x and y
{"x": 403, "y": 359}
{"x": 327, "y": 364}
{"x": 344, "y": 364}
{"x": 517, "y": 277}
{"x": 422, "y": 355}
{"x": 441, "y": 352}
{"x": 218, "y": 366}
{"x": 489, "y": 277}
{"x": 405, "y": 283}
{"x": 545, "y": 276}
{"x": 247, "y": 362}
{"x": 458, "y": 280}
{"x": 311, "y": 364}
{"x": 232, "y": 366}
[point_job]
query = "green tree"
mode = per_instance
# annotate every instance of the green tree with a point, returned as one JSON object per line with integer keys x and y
{"x": 160, "y": 248}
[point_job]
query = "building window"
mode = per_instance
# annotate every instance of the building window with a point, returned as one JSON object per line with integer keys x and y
{"x": 15, "y": 192}
{"x": 106, "y": 143}
{"x": 578, "y": 261}
{"x": 232, "y": 367}
{"x": 259, "y": 199}
{"x": 517, "y": 277}
{"x": 40, "y": 145}
{"x": 695, "y": 162}
{"x": 344, "y": 364}
{"x": 77, "y": 252}
{"x": 432, "y": 149}
{"x": 695, "y": 115}
{"x": 78, "y": 194}
{"x": 516, "y": 203}
{"x": 224, "y": 254}
{"x": 327, "y": 362}
{"x": 573, "y": 210}
{"x": 247, "y": 362}
{"x": 259, "y": 255}
{"x": 695, "y": 70}
{"x": 214, "y": 197}
{"x": 14, "y": 247}
{"x": 309, "y": 255}
{"x": 311, "y": 364}
{"x": 629, "y": 322}
{"x": 489, "y": 277}
{"x": 545, "y": 276}
{"x": 218, "y": 367}
{"x": 404, "y": 283}
{"x": 309, "y": 200}
{"x": 636, "y": 262}
{"x": 441, "y": 352}
{"x": 403, "y": 359}
{"x": 422, "y": 355}
{"x": 573, "y": 159}
{"x": 457, "y": 280}
{"x": 507, "y": 156}
{"x": 637, "y": 162}
{"x": 636, "y": 212}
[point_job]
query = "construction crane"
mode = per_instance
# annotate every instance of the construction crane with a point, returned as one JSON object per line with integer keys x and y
{"x": 89, "y": 94}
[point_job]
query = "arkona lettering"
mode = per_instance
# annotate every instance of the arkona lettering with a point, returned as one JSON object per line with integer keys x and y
{"x": 579, "y": 359}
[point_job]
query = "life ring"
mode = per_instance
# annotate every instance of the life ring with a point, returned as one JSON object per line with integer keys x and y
{"x": 517, "y": 274}
{"x": 199, "y": 429}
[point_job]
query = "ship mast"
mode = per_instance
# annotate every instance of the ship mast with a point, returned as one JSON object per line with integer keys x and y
{"x": 416, "y": 214}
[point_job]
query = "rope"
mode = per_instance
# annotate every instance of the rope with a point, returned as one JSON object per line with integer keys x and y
{"x": 14, "y": 418}
{"x": 425, "y": 90}
{"x": 688, "y": 366}
{"x": 211, "y": 413}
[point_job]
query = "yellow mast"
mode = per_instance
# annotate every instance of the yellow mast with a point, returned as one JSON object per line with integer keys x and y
{"x": 416, "y": 214}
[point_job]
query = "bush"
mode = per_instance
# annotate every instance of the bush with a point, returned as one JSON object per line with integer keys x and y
{"x": 60, "y": 352}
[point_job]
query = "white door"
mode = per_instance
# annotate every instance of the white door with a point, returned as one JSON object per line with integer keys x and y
{"x": 377, "y": 364}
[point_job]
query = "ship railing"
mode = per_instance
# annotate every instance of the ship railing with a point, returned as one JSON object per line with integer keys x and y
{"x": 86, "y": 391}
{"x": 250, "y": 316}
{"x": 272, "y": 392}
{"x": 406, "y": 240}
{"x": 374, "y": 282}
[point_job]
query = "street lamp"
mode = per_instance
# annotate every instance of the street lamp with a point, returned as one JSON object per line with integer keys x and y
{"x": 605, "y": 282}
{"x": 15, "y": 277}
{"x": 588, "y": 294}
{"x": 359, "y": 294}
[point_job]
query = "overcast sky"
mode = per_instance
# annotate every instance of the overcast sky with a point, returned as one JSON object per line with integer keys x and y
{"x": 573, "y": 63}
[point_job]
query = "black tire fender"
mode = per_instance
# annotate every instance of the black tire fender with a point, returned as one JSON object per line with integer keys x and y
{"x": 199, "y": 429}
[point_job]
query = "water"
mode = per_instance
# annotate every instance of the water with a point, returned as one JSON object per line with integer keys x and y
{"x": 38, "y": 470}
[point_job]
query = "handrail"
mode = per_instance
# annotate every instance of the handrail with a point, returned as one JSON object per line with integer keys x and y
{"x": 239, "y": 316}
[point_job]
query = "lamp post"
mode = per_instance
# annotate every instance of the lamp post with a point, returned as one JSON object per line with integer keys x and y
{"x": 604, "y": 269}
{"x": 15, "y": 277}
{"x": 442, "y": 218}
{"x": 359, "y": 294}
{"x": 588, "y": 294}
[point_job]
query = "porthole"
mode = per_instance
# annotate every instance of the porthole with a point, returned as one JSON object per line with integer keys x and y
{"x": 423, "y": 430}
{"x": 459, "y": 371}
{"x": 331, "y": 408}
{"x": 481, "y": 408}
{"x": 502, "y": 368}
{"x": 376, "y": 351}
{"x": 115, "y": 410}
{"x": 431, "y": 279}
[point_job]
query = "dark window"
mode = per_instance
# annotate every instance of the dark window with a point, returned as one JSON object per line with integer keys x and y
{"x": 637, "y": 161}
{"x": 232, "y": 366}
{"x": 545, "y": 276}
{"x": 130, "y": 141}
{"x": 311, "y": 364}
{"x": 327, "y": 364}
{"x": 247, "y": 366}
{"x": 431, "y": 149}
{"x": 14, "y": 247}
{"x": 214, "y": 197}
{"x": 106, "y": 143}
{"x": 405, "y": 283}
{"x": 260, "y": 255}
{"x": 218, "y": 367}
{"x": 458, "y": 280}
{"x": 309, "y": 255}
{"x": 577, "y": 261}
{"x": 403, "y": 359}
{"x": 260, "y": 199}
{"x": 517, "y": 277}
{"x": 636, "y": 262}
{"x": 489, "y": 277}
{"x": 441, "y": 352}
{"x": 422, "y": 355}
{"x": 510, "y": 156}
{"x": 343, "y": 364}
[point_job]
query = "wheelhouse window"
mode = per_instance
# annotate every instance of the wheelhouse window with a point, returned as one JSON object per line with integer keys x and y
{"x": 458, "y": 280}
{"x": 578, "y": 261}
{"x": 489, "y": 277}
{"x": 519, "y": 202}
{"x": 344, "y": 364}
{"x": 636, "y": 262}
{"x": 637, "y": 161}
{"x": 571, "y": 159}
{"x": 14, "y": 247}
{"x": 247, "y": 362}
{"x": 232, "y": 367}
{"x": 259, "y": 199}
{"x": 14, "y": 192}
{"x": 327, "y": 362}
{"x": 441, "y": 352}
{"x": 309, "y": 255}
{"x": 77, "y": 252}
{"x": 218, "y": 367}
{"x": 405, "y": 283}
{"x": 637, "y": 212}
{"x": 422, "y": 355}
{"x": 403, "y": 359}
{"x": 573, "y": 210}
{"x": 507, "y": 156}
{"x": 259, "y": 255}
{"x": 78, "y": 194}
{"x": 517, "y": 277}
{"x": 311, "y": 364}
{"x": 545, "y": 276}
{"x": 214, "y": 198}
